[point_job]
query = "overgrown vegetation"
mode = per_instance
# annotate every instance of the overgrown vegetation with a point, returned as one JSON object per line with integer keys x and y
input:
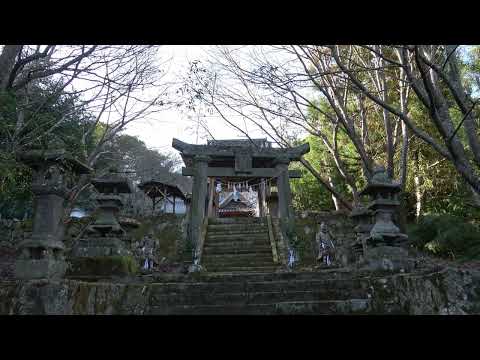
{"x": 446, "y": 236}
{"x": 78, "y": 98}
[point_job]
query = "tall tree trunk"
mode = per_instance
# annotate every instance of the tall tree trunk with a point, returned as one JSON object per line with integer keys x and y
{"x": 465, "y": 103}
{"x": 402, "y": 209}
{"x": 418, "y": 197}
{"x": 404, "y": 156}
{"x": 8, "y": 58}
{"x": 336, "y": 202}
{"x": 389, "y": 136}
{"x": 383, "y": 89}
{"x": 440, "y": 116}
{"x": 418, "y": 181}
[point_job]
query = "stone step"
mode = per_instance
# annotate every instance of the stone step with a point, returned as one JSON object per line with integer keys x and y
{"x": 237, "y": 237}
{"x": 237, "y": 257}
{"x": 352, "y": 306}
{"x": 245, "y": 269}
{"x": 347, "y": 286}
{"x": 249, "y": 260}
{"x": 351, "y": 287}
{"x": 217, "y": 250}
{"x": 252, "y": 245}
{"x": 239, "y": 220}
{"x": 219, "y": 265}
{"x": 332, "y": 274}
{"x": 245, "y": 298}
{"x": 231, "y": 246}
{"x": 223, "y": 267}
{"x": 238, "y": 232}
{"x": 242, "y": 244}
{"x": 237, "y": 228}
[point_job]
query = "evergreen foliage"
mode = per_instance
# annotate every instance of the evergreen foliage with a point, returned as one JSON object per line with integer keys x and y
{"x": 446, "y": 236}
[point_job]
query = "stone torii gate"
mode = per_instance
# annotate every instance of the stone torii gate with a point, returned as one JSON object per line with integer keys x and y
{"x": 237, "y": 160}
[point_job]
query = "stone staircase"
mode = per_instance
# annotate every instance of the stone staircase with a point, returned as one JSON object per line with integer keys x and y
{"x": 237, "y": 244}
{"x": 329, "y": 291}
{"x": 259, "y": 294}
{"x": 242, "y": 278}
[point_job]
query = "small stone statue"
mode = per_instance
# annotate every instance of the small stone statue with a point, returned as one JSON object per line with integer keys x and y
{"x": 147, "y": 252}
{"x": 325, "y": 246}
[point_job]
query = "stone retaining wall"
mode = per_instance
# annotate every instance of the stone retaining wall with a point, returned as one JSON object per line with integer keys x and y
{"x": 443, "y": 291}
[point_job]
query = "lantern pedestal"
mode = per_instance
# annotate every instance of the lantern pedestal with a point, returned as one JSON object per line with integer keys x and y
{"x": 102, "y": 252}
{"x": 42, "y": 256}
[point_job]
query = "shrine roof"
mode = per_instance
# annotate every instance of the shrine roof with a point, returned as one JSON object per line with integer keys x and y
{"x": 172, "y": 183}
{"x": 226, "y": 150}
{"x": 230, "y": 199}
{"x": 261, "y": 143}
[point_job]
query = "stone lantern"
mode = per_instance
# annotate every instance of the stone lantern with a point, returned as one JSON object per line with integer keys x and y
{"x": 42, "y": 256}
{"x": 383, "y": 206}
{"x": 383, "y": 247}
{"x": 104, "y": 236}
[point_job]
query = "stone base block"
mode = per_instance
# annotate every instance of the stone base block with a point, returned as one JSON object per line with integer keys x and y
{"x": 40, "y": 269}
{"x": 100, "y": 246}
{"x": 103, "y": 266}
{"x": 387, "y": 258}
{"x": 194, "y": 268}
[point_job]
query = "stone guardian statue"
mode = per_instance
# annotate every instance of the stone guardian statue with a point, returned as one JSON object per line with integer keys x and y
{"x": 325, "y": 246}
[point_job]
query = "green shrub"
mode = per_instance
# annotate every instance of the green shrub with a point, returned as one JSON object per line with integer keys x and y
{"x": 446, "y": 236}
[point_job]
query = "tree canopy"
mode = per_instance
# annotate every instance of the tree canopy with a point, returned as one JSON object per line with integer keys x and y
{"x": 412, "y": 108}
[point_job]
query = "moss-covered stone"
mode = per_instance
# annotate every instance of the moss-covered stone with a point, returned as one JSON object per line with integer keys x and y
{"x": 167, "y": 232}
{"x": 305, "y": 240}
{"x": 339, "y": 225}
{"x": 433, "y": 291}
{"x": 103, "y": 266}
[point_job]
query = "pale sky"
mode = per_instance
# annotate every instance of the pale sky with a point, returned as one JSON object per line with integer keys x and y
{"x": 158, "y": 132}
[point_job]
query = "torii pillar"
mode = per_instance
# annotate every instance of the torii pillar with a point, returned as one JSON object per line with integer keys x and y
{"x": 199, "y": 195}
{"x": 285, "y": 209}
{"x": 283, "y": 186}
